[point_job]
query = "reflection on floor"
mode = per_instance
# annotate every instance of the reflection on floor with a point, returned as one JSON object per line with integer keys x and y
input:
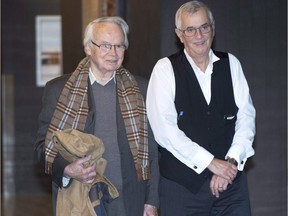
{"x": 29, "y": 204}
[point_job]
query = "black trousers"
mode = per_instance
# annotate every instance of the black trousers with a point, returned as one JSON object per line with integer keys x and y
{"x": 177, "y": 200}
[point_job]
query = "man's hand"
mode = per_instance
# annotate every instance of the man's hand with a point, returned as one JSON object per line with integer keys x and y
{"x": 223, "y": 169}
{"x": 218, "y": 185}
{"x": 77, "y": 171}
{"x": 150, "y": 210}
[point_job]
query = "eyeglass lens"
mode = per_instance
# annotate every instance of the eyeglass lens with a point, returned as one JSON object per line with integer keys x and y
{"x": 191, "y": 31}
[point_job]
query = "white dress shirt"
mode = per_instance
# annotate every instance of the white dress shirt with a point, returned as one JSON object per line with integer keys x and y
{"x": 162, "y": 113}
{"x": 94, "y": 79}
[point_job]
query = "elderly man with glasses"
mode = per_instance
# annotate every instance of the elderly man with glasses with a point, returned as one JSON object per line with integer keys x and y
{"x": 104, "y": 99}
{"x": 203, "y": 119}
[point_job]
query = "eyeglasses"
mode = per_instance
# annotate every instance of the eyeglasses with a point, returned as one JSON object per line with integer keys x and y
{"x": 191, "y": 31}
{"x": 108, "y": 47}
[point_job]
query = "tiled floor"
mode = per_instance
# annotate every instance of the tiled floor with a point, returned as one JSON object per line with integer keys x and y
{"x": 27, "y": 205}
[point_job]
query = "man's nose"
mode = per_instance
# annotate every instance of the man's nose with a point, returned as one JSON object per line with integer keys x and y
{"x": 113, "y": 50}
{"x": 198, "y": 33}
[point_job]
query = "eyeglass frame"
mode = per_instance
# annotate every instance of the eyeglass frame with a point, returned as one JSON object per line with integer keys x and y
{"x": 210, "y": 25}
{"x": 106, "y": 47}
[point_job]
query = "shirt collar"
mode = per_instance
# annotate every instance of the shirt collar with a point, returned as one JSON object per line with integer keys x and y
{"x": 93, "y": 78}
{"x": 212, "y": 58}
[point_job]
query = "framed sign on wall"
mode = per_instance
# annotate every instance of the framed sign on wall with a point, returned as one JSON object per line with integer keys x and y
{"x": 48, "y": 48}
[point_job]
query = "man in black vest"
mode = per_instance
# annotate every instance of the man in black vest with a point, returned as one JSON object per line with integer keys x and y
{"x": 202, "y": 116}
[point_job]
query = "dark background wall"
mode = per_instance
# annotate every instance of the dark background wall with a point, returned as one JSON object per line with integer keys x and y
{"x": 253, "y": 30}
{"x": 18, "y": 60}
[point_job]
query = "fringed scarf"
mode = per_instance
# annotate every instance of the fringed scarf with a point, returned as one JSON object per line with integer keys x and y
{"x": 72, "y": 110}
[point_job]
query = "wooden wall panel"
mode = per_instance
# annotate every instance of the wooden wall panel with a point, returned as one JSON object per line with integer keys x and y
{"x": 143, "y": 18}
{"x": 72, "y": 35}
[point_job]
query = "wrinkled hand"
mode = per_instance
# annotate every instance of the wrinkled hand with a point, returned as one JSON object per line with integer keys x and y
{"x": 150, "y": 210}
{"x": 77, "y": 171}
{"x": 218, "y": 185}
{"x": 223, "y": 169}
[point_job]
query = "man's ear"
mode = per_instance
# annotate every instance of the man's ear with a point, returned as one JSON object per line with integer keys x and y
{"x": 179, "y": 34}
{"x": 87, "y": 50}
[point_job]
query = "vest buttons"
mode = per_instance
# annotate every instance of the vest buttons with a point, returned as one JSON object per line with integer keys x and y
{"x": 208, "y": 113}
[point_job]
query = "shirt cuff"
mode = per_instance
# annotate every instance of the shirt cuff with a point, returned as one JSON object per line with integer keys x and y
{"x": 201, "y": 160}
{"x": 65, "y": 181}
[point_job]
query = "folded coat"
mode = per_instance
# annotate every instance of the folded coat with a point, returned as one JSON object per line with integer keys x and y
{"x": 83, "y": 199}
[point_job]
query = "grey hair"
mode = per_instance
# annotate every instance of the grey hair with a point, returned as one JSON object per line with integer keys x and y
{"x": 192, "y": 7}
{"x": 88, "y": 36}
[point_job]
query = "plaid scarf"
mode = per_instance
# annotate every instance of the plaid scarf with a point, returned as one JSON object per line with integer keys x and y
{"x": 72, "y": 109}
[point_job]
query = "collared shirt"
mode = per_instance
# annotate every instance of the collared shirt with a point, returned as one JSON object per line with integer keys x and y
{"x": 93, "y": 78}
{"x": 162, "y": 113}
{"x": 204, "y": 79}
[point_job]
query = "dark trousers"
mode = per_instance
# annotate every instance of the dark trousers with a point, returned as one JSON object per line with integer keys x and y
{"x": 177, "y": 200}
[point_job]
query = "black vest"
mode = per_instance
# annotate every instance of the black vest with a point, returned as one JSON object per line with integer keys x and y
{"x": 211, "y": 126}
